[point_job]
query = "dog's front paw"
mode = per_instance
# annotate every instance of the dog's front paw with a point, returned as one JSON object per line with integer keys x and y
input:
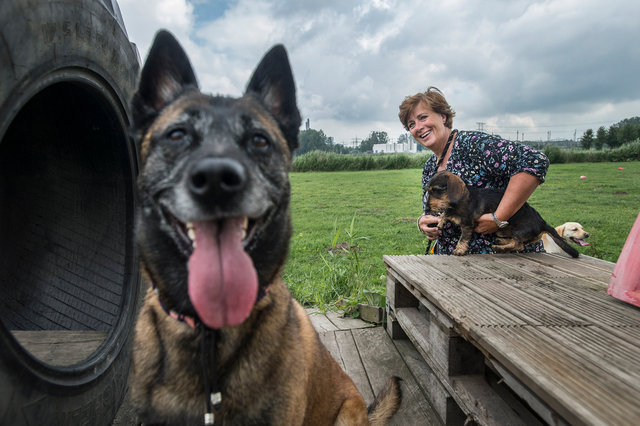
{"x": 459, "y": 252}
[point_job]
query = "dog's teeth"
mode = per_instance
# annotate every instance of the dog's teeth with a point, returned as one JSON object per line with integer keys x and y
{"x": 244, "y": 227}
{"x": 191, "y": 233}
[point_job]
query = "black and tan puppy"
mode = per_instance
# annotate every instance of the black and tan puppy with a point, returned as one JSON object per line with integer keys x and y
{"x": 463, "y": 205}
{"x": 221, "y": 334}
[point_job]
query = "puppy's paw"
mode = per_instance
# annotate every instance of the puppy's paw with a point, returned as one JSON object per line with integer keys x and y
{"x": 459, "y": 251}
{"x": 497, "y": 248}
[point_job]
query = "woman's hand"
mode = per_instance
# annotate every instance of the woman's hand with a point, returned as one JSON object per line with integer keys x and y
{"x": 485, "y": 224}
{"x": 432, "y": 232}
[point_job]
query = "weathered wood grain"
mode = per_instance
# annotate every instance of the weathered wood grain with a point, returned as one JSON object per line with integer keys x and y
{"x": 60, "y": 347}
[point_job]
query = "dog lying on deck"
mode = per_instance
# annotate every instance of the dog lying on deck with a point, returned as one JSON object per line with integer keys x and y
{"x": 463, "y": 205}
{"x": 570, "y": 231}
{"x": 219, "y": 337}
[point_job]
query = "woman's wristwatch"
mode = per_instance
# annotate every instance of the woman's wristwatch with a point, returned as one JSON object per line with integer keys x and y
{"x": 501, "y": 223}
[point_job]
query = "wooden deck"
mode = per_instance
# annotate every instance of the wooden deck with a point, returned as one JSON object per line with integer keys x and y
{"x": 370, "y": 357}
{"x": 519, "y": 339}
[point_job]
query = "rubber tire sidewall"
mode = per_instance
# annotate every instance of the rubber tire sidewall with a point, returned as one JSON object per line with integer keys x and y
{"x": 43, "y": 42}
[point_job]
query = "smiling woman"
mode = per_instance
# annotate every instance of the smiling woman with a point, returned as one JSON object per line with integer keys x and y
{"x": 69, "y": 281}
{"x": 481, "y": 160}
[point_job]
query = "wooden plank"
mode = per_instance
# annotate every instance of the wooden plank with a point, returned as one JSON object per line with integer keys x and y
{"x": 593, "y": 269}
{"x": 342, "y": 322}
{"x": 543, "y": 410}
{"x": 320, "y": 321}
{"x": 450, "y": 354}
{"x": 60, "y": 347}
{"x": 328, "y": 339}
{"x": 444, "y": 405}
{"x": 353, "y": 364}
{"x": 381, "y": 361}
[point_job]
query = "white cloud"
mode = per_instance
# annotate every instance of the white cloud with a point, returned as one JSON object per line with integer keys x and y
{"x": 545, "y": 65}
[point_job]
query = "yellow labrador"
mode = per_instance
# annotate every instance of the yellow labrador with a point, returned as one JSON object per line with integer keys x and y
{"x": 570, "y": 231}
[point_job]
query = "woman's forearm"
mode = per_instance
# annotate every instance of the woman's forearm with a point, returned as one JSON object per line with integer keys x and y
{"x": 519, "y": 189}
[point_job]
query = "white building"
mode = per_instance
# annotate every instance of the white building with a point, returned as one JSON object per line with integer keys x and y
{"x": 389, "y": 148}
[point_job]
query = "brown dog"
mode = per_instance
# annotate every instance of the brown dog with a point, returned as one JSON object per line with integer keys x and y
{"x": 463, "y": 205}
{"x": 570, "y": 231}
{"x": 220, "y": 339}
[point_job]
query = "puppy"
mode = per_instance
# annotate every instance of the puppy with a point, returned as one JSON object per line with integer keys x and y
{"x": 463, "y": 205}
{"x": 219, "y": 337}
{"x": 570, "y": 231}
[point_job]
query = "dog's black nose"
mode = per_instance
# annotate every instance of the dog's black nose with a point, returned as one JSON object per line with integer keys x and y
{"x": 216, "y": 176}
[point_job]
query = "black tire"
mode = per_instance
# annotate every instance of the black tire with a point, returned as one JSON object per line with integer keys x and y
{"x": 68, "y": 168}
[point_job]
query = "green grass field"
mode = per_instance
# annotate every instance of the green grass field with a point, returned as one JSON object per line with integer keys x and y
{"x": 377, "y": 211}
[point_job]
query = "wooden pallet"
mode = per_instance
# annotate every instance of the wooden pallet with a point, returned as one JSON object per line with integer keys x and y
{"x": 519, "y": 339}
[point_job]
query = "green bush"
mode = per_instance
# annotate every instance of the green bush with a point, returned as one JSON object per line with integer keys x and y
{"x": 321, "y": 161}
{"x": 627, "y": 152}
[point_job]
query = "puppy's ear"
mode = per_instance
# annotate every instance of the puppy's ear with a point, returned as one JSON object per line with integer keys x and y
{"x": 272, "y": 83}
{"x": 456, "y": 189}
{"x": 166, "y": 74}
{"x": 560, "y": 230}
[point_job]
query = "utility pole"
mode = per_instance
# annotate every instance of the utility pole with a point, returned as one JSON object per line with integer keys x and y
{"x": 548, "y": 135}
{"x": 480, "y": 126}
{"x": 517, "y": 135}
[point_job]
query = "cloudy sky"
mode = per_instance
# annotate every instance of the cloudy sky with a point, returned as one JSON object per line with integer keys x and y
{"x": 543, "y": 68}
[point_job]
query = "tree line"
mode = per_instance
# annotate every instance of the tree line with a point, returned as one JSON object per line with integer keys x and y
{"x": 315, "y": 140}
{"x": 625, "y": 131}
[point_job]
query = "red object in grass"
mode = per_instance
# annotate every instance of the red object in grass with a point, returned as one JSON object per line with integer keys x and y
{"x": 625, "y": 280}
{"x": 583, "y": 177}
{"x": 620, "y": 168}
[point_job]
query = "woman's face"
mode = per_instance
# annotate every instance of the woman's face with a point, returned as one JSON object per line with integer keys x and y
{"x": 427, "y": 127}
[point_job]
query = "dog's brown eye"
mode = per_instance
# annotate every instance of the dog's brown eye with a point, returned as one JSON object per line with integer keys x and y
{"x": 177, "y": 134}
{"x": 259, "y": 141}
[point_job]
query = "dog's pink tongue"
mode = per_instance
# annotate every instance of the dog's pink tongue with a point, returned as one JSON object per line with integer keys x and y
{"x": 223, "y": 283}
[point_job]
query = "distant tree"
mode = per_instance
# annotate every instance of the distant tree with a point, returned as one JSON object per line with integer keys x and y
{"x": 313, "y": 140}
{"x": 633, "y": 120}
{"x": 587, "y": 139}
{"x": 375, "y": 137}
{"x": 612, "y": 136}
{"x": 404, "y": 138}
{"x": 627, "y": 133}
{"x": 601, "y": 137}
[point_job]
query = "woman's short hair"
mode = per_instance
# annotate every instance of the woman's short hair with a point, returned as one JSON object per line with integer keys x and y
{"x": 432, "y": 99}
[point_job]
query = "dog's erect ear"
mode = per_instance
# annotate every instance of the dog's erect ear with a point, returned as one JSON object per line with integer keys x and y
{"x": 456, "y": 189}
{"x": 166, "y": 74}
{"x": 272, "y": 83}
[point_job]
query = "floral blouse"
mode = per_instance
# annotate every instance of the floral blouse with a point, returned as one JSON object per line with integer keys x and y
{"x": 482, "y": 161}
